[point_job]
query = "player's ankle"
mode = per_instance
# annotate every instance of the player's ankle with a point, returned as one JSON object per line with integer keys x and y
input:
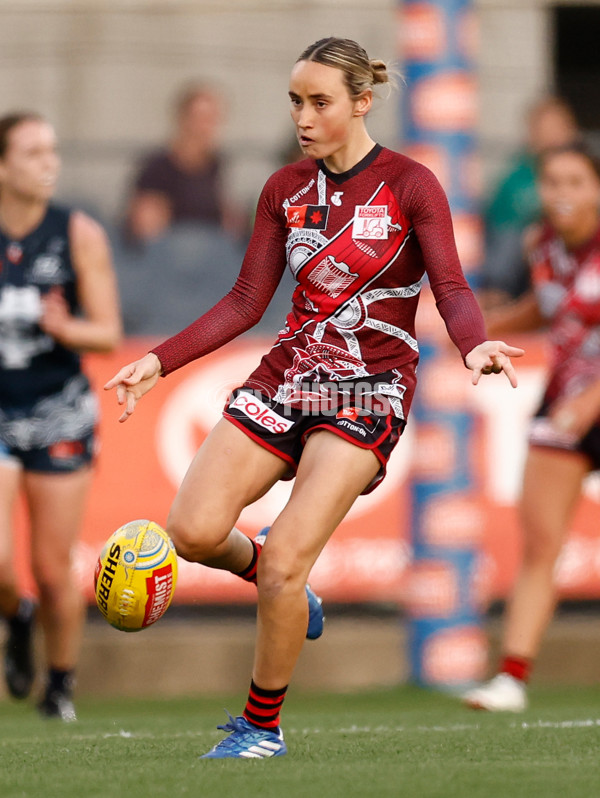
{"x": 249, "y": 573}
{"x": 263, "y": 706}
{"x": 518, "y": 667}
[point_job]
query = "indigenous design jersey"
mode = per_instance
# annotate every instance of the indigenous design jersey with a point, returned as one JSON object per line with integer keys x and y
{"x": 43, "y": 395}
{"x": 358, "y": 245}
{"x": 567, "y": 286}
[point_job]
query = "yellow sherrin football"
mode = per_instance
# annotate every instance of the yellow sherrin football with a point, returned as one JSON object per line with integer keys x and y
{"x": 135, "y": 576}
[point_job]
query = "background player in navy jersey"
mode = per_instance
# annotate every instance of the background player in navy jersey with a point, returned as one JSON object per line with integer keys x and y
{"x": 58, "y": 298}
{"x": 358, "y": 225}
{"x": 564, "y": 438}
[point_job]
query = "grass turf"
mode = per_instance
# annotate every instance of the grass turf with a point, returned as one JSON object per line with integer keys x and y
{"x": 402, "y": 742}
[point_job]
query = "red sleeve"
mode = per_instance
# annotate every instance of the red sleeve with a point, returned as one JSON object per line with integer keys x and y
{"x": 244, "y": 305}
{"x": 432, "y": 223}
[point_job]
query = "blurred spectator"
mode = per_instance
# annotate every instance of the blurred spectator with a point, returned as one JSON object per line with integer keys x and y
{"x": 179, "y": 276}
{"x": 182, "y": 182}
{"x": 514, "y": 203}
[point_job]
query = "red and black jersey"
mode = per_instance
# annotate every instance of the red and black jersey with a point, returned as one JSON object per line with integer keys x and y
{"x": 358, "y": 245}
{"x": 567, "y": 286}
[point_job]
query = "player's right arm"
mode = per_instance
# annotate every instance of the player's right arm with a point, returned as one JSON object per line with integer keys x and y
{"x": 237, "y": 312}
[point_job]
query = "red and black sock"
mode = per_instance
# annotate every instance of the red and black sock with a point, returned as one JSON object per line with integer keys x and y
{"x": 263, "y": 706}
{"x": 249, "y": 573}
{"x": 517, "y": 667}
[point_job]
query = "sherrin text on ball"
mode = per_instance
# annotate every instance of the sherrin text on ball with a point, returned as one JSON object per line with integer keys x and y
{"x": 135, "y": 576}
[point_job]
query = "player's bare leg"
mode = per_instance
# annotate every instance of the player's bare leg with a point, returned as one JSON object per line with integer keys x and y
{"x": 332, "y": 473}
{"x": 56, "y": 504}
{"x": 551, "y": 490}
{"x": 320, "y": 499}
{"x": 228, "y": 472}
{"x": 10, "y": 480}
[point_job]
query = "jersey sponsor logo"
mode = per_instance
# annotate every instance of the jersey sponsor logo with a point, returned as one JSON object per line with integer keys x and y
{"x": 336, "y": 198}
{"x": 302, "y": 191}
{"x": 260, "y": 413}
{"x": 47, "y": 269}
{"x": 371, "y": 222}
{"x": 313, "y": 217}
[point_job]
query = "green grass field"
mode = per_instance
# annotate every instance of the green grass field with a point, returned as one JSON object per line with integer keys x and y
{"x": 403, "y": 742}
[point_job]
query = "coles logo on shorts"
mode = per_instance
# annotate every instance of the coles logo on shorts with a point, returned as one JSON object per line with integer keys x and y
{"x": 260, "y": 413}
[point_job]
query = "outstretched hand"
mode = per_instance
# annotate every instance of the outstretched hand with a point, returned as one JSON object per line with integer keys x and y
{"x": 492, "y": 357}
{"x": 135, "y": 380}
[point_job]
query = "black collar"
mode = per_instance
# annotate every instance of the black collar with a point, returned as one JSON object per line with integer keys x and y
{"x": 341, "y": 177}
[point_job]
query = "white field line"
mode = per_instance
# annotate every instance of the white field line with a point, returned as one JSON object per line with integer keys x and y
{"x": 452, "y": 728}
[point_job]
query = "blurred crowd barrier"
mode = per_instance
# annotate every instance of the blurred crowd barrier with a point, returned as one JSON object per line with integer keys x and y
{"x": 142, "y": 462}
{"x": 166, "y": 284}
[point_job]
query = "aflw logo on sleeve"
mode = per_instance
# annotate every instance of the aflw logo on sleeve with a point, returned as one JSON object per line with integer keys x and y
{"x": 313, "y": 217}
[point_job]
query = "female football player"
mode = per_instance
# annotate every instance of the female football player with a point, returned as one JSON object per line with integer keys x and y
{"x": 58, "y": 298}
{"x": 358, "y": 225}
{"x": 564, "y": 438}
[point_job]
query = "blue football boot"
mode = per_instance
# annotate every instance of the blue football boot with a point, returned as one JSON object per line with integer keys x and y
{"x": 316, "y": 619}
{"x": 247, "y": 741}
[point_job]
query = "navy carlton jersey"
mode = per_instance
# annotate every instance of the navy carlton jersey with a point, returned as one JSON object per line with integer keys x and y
{"x": 32, "y": 364}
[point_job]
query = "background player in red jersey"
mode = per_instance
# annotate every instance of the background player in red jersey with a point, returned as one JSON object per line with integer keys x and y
{"x": 564, "y": 440}
{"x": 358, "y": 225}
{"x": 58, "y": 298}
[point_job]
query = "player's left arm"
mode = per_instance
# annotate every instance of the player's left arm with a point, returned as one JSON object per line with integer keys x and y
{"x": 99, "y": 327}
{"x": 432, "y": 222}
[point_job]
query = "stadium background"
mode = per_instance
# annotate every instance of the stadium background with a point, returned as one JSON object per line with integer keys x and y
{"x": 104, "y": 72}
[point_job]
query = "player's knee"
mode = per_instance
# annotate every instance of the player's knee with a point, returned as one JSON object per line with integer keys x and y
{"x": 278, "y": 575}
{"x": 52, "y": 579}
{"x": 187, "y": 544}
{"x": 195, "y": 541}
